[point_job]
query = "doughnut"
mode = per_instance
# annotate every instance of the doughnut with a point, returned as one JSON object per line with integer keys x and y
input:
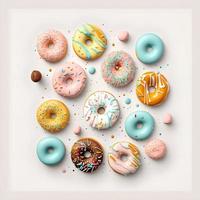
{"x": 155, "y": 81}
{"x": 69, "y": 80}
{"x": 83, "y": 161}
{"x": 149, "y": 48}
{"x": 139, "y": 125}
{"x": 50, "y": 150}
{"x": 89, "y": 42}
{"x": 52, "y": 46}
{"x": 131, "y": 155}
{"x": 118, "y": 69}
{"x": 155, "y": 149}
{"x": 53, "y": 115}
{"x": 101, "y": 110}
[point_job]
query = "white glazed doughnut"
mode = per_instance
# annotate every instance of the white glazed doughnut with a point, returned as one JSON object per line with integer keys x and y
{"x": 132, "y": 162}
{"x": 101, "y": 110}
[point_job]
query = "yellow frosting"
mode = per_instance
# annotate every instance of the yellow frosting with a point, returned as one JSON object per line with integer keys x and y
{"x": 53, "y": 115}
{"x": 89, "y": 42}
{"x": 158, "y": 82}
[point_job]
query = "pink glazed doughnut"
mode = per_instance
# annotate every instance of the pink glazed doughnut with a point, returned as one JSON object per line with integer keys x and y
{"x": 52, "y": 46}
{"x": 118, "y": 69}
{"x": 69, "y": 80}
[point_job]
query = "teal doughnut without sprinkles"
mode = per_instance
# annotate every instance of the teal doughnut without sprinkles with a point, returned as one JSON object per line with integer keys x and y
{"x": 149, "y": 48}
{"x": 139, "y": 125}
{"x": 50, "y": 150}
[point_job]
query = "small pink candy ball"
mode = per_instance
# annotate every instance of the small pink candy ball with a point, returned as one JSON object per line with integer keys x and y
{"x": 123, "y": 36}
{"x": 77, "y": 130}
{"x": 167, "y": 119}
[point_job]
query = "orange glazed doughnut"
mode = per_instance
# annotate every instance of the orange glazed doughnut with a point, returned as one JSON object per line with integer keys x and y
{"x": 155, "y": 81}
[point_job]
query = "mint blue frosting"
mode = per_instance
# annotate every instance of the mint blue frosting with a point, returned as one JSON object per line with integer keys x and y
{"x": 91, "y": 70}
{"x": 149, "y": 48}
{"x": 142, "y": 118}
{"x": 50, "y": 150}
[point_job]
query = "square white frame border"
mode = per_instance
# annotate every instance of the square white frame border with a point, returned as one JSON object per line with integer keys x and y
{"x": 5, "y": 5}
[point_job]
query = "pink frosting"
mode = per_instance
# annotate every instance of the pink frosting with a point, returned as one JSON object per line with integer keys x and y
{"x": 155, "y": 149}
{"x": 123, "y": 36}
{"x": 167, "y": 119}
{"x": 69, "y": 80}
{"x": 52, "y": 46}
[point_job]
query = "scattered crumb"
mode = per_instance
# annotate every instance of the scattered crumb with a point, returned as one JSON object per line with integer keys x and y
{"x": 50, "y": 70}
{"x": 112, "y": 136}
{"x": 42, "y": 97}
{"x": 47, "y": 75}
{"x": 64, "y": 171}
{"x": 113, "y": 44}
{"x": 73, "y": 170}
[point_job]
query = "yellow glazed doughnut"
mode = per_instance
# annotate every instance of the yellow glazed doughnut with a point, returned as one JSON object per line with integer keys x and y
{"x": 153, "y": 80}
{"x": 53, "y": 115}
{"x": 89, "y": 42}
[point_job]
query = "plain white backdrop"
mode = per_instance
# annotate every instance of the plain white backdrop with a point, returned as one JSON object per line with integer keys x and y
{"x": 172, "y": 173}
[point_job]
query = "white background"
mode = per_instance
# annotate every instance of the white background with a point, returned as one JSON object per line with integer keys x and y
{"x": 172, "y": 173}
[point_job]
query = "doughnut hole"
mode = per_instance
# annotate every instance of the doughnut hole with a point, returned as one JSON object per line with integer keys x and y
{"x": 101, "y": 110}
{"x": 50, "y": 44}
{"x": 87, "y": 154}
{"x": 68, "y": 81}
{"x": 139, "y": 125}
{"x": 50, "y": 150}
{"x": 124, "y": 157}
{"x": 149, "y": 48}
{"x": 52, "y": 115}
{"x": 151, "y": 89}
{"x": 118, "y": 65}
{"x": 88, "y": 41}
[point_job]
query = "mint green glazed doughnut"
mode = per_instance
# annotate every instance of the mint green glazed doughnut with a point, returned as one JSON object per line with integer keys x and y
{"x": 149, "y": 48}
{"x": 50, "y": 150}
{"x": 139, "y": 125}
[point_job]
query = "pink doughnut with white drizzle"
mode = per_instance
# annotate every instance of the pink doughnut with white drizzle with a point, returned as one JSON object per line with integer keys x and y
{"x": 128, "y": 150}
{"x": 69, "y": 80}
{"x": 52, "y": 46}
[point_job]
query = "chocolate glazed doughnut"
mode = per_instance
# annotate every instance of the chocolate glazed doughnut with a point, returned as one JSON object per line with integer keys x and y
{"x": 83, "y": 162}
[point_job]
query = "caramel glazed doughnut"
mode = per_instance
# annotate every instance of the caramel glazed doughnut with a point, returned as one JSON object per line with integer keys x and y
{"x": 87, "y": 164}
{"x": 158, "y": 82}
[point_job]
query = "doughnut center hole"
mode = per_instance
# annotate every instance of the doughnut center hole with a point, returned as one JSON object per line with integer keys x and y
{"x": 151, "y": 89}
{"x": 68, "y": 81}
{"x": 50, "y": 44}
{"x": 124, "y": 157}
{"x": 118, "y": 65}
{"x": 149, "y": 48}
{"x": 139, "y": 125}
{"x": 50, "y": 150}
{"x": 101, "y": 110}
{"x": 88, "y": 41}
{"x": 87, "y": 154}
{"x": 52, "y": 115}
